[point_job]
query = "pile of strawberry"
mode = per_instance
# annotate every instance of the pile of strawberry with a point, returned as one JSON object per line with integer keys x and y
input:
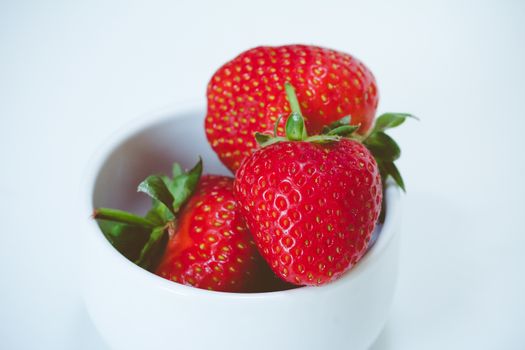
{"x": 295, "y": 124}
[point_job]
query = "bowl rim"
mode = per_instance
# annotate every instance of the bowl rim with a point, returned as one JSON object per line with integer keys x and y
{"x": 149, "y": 120}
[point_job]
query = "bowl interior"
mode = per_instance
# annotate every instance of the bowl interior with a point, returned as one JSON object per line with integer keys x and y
{"x": 152, "y": 150}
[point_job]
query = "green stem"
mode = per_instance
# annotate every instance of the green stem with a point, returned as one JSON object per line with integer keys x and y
{"x": 295, "y": 129}
{"x": 122, "y": 217}
{"x": 292, "y": 98}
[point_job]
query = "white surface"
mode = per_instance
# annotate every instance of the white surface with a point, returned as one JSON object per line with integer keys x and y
{"x": 135, "y": 310}
{"x": 73, "y": 72}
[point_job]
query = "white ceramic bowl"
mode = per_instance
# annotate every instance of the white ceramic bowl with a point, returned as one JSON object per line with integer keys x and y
{"x": 135, "y": 309}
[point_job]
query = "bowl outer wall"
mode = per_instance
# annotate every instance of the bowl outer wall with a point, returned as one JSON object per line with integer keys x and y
{"x": 134, "y": 309}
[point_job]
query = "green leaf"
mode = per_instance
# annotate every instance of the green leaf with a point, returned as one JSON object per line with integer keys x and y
{"x": 159, "y": 214}
{"x": 390, "y": 120}
{"x": 295, "y": 128}
{"x": 343, "y": 130}
{"x": 391, "y": 169}
{"x": 183, "y": 186}
{"x": 382, "y": 146}
{"x": 167, "y": 182}
{"x": 323, "y": 138}
{"x": 262, "y": 138}
{"x": 156, "y": 188}
{"x": 273, "y": 140}
{"x": 128, "y": 240}
{"x": 152, "y": 251}
{"x": 122, "y": 217}
{"x": 176, "y": 170}
{"x": 341, "y": 122}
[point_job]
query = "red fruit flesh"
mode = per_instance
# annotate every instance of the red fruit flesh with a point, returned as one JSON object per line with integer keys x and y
{"x": 211, "y": 247}
{"x": 311, "y": 207}
{"x": 246, "y": 95}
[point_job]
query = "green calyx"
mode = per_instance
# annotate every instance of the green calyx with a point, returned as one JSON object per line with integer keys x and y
{"x": 295, "y": 128}
{"x": 143, "y": 239}
{"x": 384, "y": 149}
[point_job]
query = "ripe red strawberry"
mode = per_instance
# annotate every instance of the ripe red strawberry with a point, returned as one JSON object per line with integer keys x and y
{"x": 193, "y": 235}
{"x": 246, "y": 95}
{"x": 310, "y": 202}
{"x": 210, "y": 246}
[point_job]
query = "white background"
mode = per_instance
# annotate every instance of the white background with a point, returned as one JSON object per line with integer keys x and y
{"x": 73, "y": 72}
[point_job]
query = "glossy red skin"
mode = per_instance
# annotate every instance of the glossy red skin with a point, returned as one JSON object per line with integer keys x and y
{"x": 211, "y": 247}
{"x": 246, "y": 95}
{"x": 311, "y": 208}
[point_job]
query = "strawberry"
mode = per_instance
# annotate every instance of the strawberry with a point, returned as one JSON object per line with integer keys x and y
{"x": 193, "y": 234}
{"x": 310, "y": 202}
{"x": 211, "y": 247}
{"x": 246, "y": 95}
